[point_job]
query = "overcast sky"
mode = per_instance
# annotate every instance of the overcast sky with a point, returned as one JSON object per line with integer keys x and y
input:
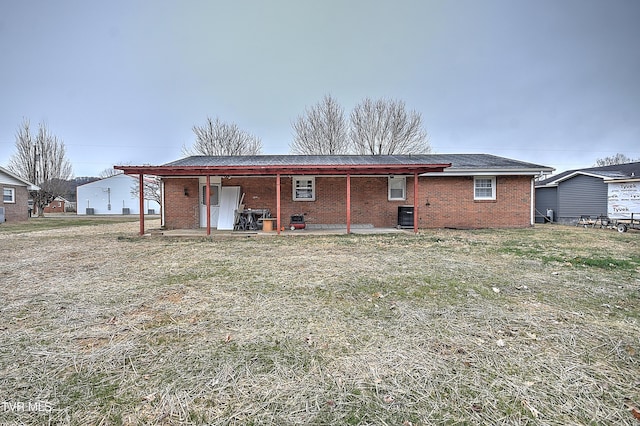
{"x": 553, "y": 82}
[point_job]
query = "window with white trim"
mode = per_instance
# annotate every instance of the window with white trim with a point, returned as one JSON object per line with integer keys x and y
{"x": 397, "y": 188}
{"x": 484, "y": 188}
{"x": 9, "y": 195}
{"x": 304, "y": 188}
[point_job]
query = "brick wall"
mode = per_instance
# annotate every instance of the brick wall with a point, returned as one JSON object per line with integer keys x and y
{"x": 55, "y": 207}
{"x": 442, "y": 201}
{"x": 369, "y": 203}
{"x": 18, "y": 211}
{"x": 451, "y": 204}
{"x": 181, "y": 211}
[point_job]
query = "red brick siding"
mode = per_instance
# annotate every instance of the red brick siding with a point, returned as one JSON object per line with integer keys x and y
{"x": 181, "y": 211}
{"x": 450, "y": 201}
{"x": 18, "y": 211}
{"x": 368, "y": 200}
{"x": 55, "y": 207}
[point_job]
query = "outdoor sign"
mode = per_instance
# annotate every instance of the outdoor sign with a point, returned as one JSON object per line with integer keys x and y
{"x": 624, "y": 199}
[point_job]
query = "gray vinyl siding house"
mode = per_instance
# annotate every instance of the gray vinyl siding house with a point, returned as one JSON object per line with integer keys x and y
{"x": 567, "y": 196}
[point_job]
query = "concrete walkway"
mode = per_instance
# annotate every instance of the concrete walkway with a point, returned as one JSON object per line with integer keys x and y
{"x": 324, "y": 230}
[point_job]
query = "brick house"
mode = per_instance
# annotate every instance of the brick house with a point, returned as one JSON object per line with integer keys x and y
{"x": 14, "y": 205}
{"x": 440, "y": 190}
{"x": 57, "y": 205}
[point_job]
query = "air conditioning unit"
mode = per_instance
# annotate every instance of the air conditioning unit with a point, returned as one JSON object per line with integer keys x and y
{"x": 151, "y": 211}
{"x": 126, "y": 210}
{"x": 405, "y": 216}
{"x": 2, "y": 218}
{"x": 90, "y": 211}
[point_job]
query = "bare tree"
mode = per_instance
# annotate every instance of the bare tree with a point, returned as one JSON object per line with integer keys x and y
{"x": 616, "y": 159}
{"x": 385, "y": 127}
{"x": 322, "y": 130}
{"x": 108, "y": 172}
{"x": 151, "y": 186}
{"x": 41, "y": 159}
{"x": 219, "y": 138}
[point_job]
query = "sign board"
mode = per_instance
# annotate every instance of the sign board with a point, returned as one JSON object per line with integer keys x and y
{"x": 623, "y": 199}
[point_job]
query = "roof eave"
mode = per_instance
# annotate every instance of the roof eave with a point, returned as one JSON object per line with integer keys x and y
{"x": 494, "y": 172}
{"x": 30, "y": 186}
{"x": 272, "y": 170}
{"x": 622, "y": 180}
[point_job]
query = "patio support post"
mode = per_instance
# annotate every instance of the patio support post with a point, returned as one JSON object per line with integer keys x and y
{"x": 415, "y": 202}
{"x": 348, "y": 203}
{"x": 278, "y": 219}
{"x": 208, "y": 191}
{"x": 141, "y": 185}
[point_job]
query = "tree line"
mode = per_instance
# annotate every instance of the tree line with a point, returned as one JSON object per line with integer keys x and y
{"x": 373, "y": 127}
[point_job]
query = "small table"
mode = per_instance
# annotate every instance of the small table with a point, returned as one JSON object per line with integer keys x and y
{"x": 267, "y": 223}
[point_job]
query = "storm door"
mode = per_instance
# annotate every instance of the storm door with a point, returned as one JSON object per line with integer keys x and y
{"x": 215, "y": 205}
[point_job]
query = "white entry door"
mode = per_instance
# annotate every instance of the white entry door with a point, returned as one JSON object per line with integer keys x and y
{"x": 215, "y": 205}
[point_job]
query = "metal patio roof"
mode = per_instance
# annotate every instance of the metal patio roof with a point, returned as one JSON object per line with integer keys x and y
{"x": 270, "y": 165}
{"x": 265, "y": 165}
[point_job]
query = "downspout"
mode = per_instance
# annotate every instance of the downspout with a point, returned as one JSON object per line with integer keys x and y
{"x": 141, "y": 185}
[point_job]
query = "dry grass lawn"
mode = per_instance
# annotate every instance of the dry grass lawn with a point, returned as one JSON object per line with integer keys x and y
{"x": 534, "y": 326}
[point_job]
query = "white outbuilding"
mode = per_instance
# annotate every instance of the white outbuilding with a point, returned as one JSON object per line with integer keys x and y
{"x": 112, "y": 195}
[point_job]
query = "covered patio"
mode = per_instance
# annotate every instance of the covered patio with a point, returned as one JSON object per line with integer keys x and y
{"x": 278, "y": 167}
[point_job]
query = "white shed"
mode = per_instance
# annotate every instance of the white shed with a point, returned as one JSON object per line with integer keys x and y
{"x": 112, "y": 195}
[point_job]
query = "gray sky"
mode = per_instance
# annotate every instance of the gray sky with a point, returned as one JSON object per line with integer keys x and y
{"x": 124, "y": 81}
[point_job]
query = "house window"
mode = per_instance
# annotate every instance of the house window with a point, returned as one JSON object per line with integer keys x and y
{"x": 484, "y": 188}
{"x": 214, "y": 195}
{"x": 304, "y": 188}
{"x": 9, "y": 195}
{"x": 397, "y": 188}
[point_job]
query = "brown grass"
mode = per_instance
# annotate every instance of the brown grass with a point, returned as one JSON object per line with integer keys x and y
{"x": 531, "y": 326}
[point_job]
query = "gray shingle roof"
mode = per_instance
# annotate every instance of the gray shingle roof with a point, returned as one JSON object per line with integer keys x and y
{"x": 458, "y": 161}
{"x": 616, "y": 171}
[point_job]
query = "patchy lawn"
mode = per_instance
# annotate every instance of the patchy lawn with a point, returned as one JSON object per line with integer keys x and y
{"x": 531, "y": 326}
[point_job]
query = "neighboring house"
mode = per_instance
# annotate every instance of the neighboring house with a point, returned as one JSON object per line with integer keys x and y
{"x": 444, "y": 190}
{"x": 594, "y": 191}
{"x": 112, "y": 195}
{"x": 14, "y": 205}
{"x": 58, "y": 205}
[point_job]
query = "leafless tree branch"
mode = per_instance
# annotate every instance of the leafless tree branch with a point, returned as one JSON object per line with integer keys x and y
{"x": 151, "y": 188}
{"x": 41, "y": 159}
{"x": 385, "y": 127}
{"x": 322, "y": 130}
{"x": 616, "y": 159}
{"x": 106, "y": 173}
{"x": 219, "y": 138}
